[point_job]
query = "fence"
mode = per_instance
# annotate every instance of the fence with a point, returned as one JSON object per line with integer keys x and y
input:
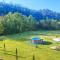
{"x": 16, "y": 53}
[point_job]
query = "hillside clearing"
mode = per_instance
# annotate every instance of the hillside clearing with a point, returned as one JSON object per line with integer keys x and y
{"x": 26, "y": 50}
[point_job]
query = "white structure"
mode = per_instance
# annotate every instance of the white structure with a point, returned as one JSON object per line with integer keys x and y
{"x": 56, "y": 39}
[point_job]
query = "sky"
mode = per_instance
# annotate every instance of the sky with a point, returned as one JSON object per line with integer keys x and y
{"x": 37, "y": 4}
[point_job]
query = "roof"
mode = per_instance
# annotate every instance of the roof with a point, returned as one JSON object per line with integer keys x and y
{"x": 36, "y": 38}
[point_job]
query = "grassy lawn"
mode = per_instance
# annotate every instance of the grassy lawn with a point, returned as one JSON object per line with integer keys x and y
{"x": 26, "y": 49}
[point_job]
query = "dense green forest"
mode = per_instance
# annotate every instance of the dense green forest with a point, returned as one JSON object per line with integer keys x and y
{"x": 16, "y": 23}
{"x": 17, "y": 19}
{"x": 5, "y": 8}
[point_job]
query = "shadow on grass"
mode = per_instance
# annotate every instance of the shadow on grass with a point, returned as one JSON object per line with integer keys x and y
{"x": 44, "y": 43}
{"x": 47, "y": 43}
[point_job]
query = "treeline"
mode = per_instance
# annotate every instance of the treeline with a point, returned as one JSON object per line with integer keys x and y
{"x": 16, "y": 23}
{"x": 5, "y": 8}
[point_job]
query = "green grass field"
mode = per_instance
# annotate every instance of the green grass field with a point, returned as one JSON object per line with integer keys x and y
{"x": 26, "y": 49}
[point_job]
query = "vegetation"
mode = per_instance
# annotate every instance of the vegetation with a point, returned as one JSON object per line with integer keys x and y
{"x": 28, "y": 23}
{"x": 26, "y": 50}
{"x": 37, "y": 14}
{"x": 17, "y": 23}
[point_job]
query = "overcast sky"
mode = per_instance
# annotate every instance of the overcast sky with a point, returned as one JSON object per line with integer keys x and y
{"x": 37, "y": 4}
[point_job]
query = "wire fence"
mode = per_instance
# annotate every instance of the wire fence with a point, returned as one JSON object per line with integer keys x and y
{"x": 17, "y": 57}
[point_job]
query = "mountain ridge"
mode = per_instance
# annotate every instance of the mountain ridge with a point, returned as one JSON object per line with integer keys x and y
{"x": 5, "y": 8}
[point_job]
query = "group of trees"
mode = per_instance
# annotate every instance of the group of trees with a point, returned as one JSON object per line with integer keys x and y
{"x": 5, "y": 8}
{"x": 50, "y": 24}
{"x": 16, "y": 23}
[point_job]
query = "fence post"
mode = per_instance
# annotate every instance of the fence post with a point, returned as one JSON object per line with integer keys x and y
{"x": 16, "y": 54}
{"x": 4, "y": 48}
{"x": 33, "y": 57}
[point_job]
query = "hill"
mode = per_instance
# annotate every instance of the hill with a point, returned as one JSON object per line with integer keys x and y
{"x": 5, "y": 8}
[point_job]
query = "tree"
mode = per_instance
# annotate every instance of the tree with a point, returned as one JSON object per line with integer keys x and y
{"x": 31, "y": 23}
{"x": 1, "y": 26}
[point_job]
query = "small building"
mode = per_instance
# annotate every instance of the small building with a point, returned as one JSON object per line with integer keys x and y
{"x": 37, "y": 40}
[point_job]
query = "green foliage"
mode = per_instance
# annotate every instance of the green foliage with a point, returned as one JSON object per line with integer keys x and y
{"x": 16, "y": 22}
{"x": 1, "y": 26}
{"x": 50, "y": 24}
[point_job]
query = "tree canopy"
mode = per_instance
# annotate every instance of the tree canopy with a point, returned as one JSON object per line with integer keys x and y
{"x": 5, "y": 8}
{"x": 16, "y": 23}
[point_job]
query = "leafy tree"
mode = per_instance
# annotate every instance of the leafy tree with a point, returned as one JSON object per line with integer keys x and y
{"x": 1, "y": 26}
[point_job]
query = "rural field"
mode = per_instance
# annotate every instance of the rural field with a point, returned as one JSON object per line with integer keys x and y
{"x": 29, "y": 30}
{"x": 26, "y": 50}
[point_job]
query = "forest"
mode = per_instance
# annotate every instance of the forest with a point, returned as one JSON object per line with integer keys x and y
{"x": 16, "y": 19}
{"x": 5, "y": 8}
{"x": 16, "y": 23}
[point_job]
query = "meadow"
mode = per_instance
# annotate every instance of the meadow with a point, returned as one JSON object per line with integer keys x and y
{"x": 26, "y": 50}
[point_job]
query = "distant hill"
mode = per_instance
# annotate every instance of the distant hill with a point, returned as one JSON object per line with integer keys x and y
{"x": 5, "y": 8}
